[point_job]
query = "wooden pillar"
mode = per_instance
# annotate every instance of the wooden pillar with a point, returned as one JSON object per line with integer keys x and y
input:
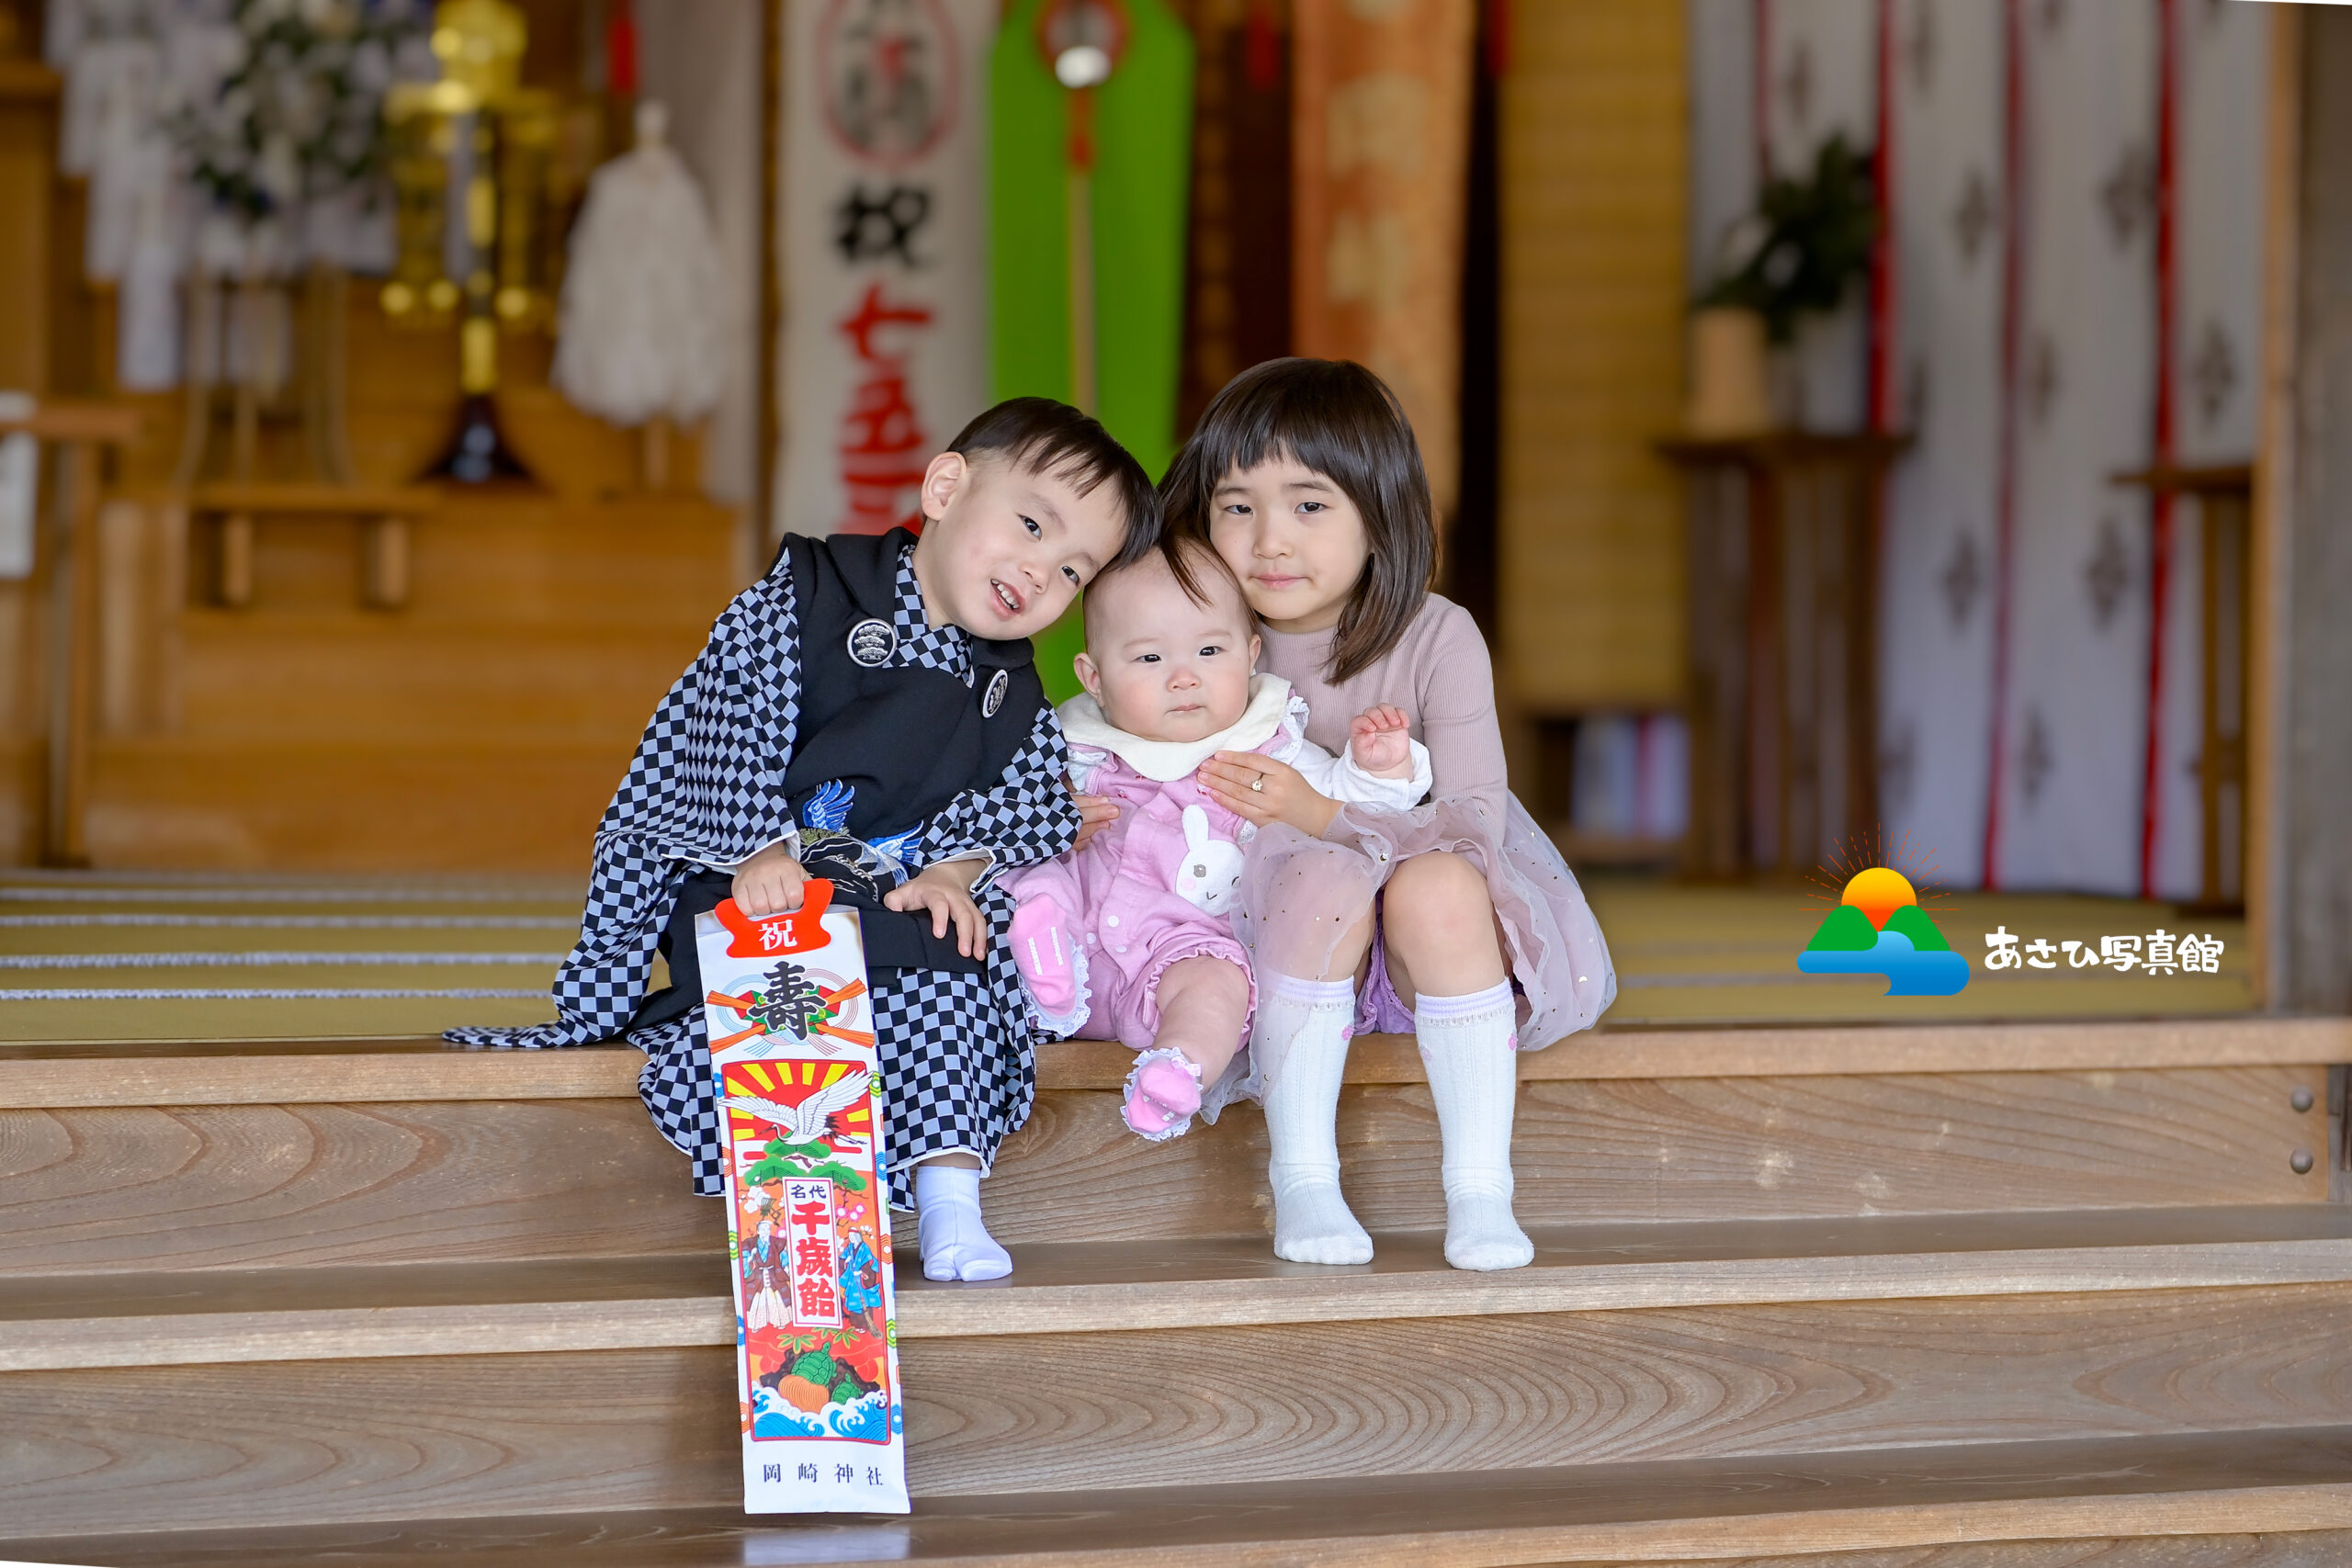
{"x": 2223, "y": 792}
{"x": 2303, "y": 715}
{"x": 72, "y": 548}
{"x": 28, "y": 93}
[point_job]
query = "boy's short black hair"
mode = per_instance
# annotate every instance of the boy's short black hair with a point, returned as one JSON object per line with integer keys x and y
{"x": 1042, "y": 436}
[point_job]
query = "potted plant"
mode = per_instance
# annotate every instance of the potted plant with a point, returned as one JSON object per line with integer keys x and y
{"x": 1797, "y": 255}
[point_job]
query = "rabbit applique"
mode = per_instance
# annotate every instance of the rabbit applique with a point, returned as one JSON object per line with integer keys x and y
{"x": 1210, "y": 878}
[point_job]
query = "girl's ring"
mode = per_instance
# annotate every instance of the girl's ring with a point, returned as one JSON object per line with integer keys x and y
{"x": 1258, "y": 785}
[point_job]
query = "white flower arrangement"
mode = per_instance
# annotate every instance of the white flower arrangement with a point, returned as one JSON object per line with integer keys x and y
{"x": 296, "y": 117}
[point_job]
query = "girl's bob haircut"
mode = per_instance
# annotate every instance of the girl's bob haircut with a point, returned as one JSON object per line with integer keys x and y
{"x": 1339, "y": 419}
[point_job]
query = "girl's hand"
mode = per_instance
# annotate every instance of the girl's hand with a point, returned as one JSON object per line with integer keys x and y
{"x": 945, "y": 891}
{"x": 1095, "y": 812}
{"x": 1380, "y": 739}
{"x": 769, "y": 883}
{"x": 1280, "y": 794}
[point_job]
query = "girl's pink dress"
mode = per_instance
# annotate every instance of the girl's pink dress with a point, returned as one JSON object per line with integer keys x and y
{"x": 1300, "y": 894}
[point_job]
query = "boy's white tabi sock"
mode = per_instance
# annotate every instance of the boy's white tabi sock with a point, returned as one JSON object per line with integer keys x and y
{"x": 956, "y": 1245}
{"x": 1469, "y": 1045}
{"x": 1302, "y": 1032}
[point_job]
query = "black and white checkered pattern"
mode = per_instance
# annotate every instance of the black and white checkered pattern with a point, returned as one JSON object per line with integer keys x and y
{"x": 706, "y": 787}
{"x": 921, "y": 643}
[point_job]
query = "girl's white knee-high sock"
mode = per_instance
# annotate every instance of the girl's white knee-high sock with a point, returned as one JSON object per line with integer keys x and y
{"x": 956, "y": 1244}
{"x": 1302, "y": 1034}
{"x": 1468, "y": 1044}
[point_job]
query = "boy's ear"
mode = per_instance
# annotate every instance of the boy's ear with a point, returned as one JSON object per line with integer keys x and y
{"x": 941, "y": 481}
{"x": 1089, "y": 676}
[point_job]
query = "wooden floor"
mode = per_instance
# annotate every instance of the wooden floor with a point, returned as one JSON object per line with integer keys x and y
{"x": 119, "y": 956}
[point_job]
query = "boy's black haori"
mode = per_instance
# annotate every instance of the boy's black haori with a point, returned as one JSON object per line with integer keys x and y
{"x": 947, "y": 751}
{"x": 1339, "y": 419}
{"x": 884, "y": 746}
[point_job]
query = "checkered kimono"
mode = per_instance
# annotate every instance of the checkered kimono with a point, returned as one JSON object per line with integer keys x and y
{"x": 706, "y": 789}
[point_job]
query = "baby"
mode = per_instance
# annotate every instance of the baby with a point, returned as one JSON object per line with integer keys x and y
{"x": 1128, "y": 937}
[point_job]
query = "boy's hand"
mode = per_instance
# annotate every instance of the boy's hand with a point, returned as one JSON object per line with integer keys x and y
{"x": 769, "y": 883}
{"x": 1282, "y": 793}
{"x": 945, "y": 890}
{"x": 1380, "y": 739}
{"x": 1095, "y": 812}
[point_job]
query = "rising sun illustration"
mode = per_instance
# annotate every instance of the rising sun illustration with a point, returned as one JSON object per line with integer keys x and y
{"x": 1878, "y": 893}
{"x": 1879, "y": 879}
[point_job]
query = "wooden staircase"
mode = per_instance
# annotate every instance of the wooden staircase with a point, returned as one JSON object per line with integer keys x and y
{"x": 1929, "y": 1297}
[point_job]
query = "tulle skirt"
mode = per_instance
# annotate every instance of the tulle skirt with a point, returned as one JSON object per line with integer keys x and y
{"x": 1300, "y": 897}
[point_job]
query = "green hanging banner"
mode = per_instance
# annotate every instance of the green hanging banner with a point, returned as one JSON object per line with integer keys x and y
{"x": 1089, "y": 166}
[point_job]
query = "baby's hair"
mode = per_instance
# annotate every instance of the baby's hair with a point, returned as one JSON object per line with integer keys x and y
{"x": 1339, "y": 419}
{"x": 1187, "y": 558}
{"x": 1039, "y": 435}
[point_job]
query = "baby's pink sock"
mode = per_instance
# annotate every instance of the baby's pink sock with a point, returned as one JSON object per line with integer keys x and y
{"x": 1045, "y": 952}
{"x": 1163, "y": 1092}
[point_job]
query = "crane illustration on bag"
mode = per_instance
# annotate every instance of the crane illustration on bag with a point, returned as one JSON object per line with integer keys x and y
{"x": 816, "y": 1119}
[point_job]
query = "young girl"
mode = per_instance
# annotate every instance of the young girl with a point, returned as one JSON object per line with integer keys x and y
{"x": 1457, "y": 920}
{"x": 1129, "y": 938}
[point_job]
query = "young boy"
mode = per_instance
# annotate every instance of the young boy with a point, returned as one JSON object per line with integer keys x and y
{"x": 869, "y": 712}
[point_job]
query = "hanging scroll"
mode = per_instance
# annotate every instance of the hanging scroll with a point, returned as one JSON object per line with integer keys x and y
{"x": 1380, "y": 151}
{"x": 880, "y": 219}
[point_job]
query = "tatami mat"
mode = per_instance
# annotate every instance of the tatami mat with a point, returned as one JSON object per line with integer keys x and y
{"x": 1691, "y": 954}
{"x": 176, "y": 958}
{"x": 121, "y": 956}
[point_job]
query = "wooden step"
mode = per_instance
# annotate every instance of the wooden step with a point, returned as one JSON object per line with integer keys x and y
{"x": 202, "y": 1399}
{"x": 1662, "y": 1150}
{"x": 307, "y": 1154}
{"x": 164, "y": 1070}
{"x": 2185, "y": 1495}
{"x": 142, "y": 1189}
{"x": 385, "y": 1181}
{"x": 80, "y": 1322}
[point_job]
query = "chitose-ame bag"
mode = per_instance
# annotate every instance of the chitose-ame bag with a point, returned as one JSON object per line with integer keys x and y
{"x": 792, "y": 1048}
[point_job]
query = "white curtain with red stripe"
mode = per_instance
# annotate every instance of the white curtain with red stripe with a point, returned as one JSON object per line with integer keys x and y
{"x": 1947, "y": 195}
{"x": 2020, "y": 336}
{"x": 2071, "y": 683}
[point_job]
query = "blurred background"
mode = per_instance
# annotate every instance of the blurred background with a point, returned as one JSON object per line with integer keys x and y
{"x": 1868, "y": 431}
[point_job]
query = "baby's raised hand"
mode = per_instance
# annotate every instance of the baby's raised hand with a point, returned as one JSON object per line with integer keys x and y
{"x": 1380, "y": 739}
